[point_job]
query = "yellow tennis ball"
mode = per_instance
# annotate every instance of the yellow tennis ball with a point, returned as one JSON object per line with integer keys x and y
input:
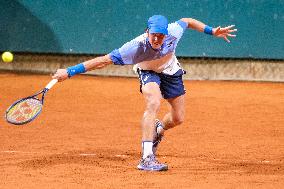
{"x": 7, "y": 57}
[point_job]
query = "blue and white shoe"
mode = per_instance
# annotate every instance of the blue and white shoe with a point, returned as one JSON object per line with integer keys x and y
{"x": 150, "y": 163}
{"x": 158, "y": 137}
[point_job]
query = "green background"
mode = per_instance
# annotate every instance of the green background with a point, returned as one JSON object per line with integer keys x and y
{"x": 99, "y": 26}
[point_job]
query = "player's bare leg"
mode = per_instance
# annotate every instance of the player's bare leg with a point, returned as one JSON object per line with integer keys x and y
{"x": 152, "y": 94}
{"x": 176, "y": 115}
{"x": 171, "y": 119}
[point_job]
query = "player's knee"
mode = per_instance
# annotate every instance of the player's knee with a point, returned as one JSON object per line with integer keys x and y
{"x": 153, "y": 105}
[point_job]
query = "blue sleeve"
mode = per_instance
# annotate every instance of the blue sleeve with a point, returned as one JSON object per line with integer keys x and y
{"x": 125, "y": 54}
{"x": 116, "y": 57}
{"x": 182, "y": 24}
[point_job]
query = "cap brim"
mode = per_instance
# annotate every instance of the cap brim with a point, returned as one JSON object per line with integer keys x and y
{"x": 158, "y": 30}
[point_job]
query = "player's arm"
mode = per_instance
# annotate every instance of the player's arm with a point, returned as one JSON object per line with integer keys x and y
{"x": 122, "y": 56}
{"x": 96, "y": 63}
{"x": 217, "y": 32}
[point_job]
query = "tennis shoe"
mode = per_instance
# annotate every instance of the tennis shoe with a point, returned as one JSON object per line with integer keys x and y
{"x": 150, "y": 163}
{"x": 158, "y": 137}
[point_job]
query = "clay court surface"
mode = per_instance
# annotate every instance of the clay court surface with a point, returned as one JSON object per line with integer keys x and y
{"x": 88, "y": 136}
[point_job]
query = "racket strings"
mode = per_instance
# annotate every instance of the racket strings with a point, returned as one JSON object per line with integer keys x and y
{"x": 24, "y": 110}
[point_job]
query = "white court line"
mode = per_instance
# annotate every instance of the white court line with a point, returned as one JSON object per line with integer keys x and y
{"x": 81, "y": 154}
{"x": 22, "y": 152}
{"x": 19, "y": 152}
{"x": 247, "y": 161}
{"x": 122, "y": 156}
{"x": 265, "y": 161}
{"x": 87, "y": 154}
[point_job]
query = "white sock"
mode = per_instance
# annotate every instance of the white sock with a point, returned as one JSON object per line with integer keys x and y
{"x": 147, "y": 147}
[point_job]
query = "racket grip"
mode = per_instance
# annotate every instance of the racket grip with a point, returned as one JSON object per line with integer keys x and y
{"x": 51, "y": 83}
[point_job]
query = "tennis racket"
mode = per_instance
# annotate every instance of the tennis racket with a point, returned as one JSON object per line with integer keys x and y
{"x": 27, "y": 109}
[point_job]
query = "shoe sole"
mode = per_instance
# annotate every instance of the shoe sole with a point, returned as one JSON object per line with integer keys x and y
{"x": 152, "y": 169}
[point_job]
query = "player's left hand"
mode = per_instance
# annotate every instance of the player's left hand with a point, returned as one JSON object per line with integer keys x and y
{"x": 224, "y": 32}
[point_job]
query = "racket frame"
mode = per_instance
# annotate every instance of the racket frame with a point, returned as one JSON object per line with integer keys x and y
{"x": 47, "y": 87}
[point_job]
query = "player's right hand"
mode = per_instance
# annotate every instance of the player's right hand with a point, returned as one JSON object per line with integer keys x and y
{"x": 60, "y": 75}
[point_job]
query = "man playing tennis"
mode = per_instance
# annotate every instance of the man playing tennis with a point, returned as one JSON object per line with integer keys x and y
{"x": 160, "y": 74}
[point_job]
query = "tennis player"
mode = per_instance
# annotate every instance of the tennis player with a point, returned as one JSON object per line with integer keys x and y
{"x": 160, "y": 74}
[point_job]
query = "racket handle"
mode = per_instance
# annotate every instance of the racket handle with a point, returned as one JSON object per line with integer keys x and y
{"x": 51, "y": 83}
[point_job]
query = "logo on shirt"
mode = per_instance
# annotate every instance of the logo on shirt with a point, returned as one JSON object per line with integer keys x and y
{"x": 145, "y": 79}
{"x": 170, "y": 43}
